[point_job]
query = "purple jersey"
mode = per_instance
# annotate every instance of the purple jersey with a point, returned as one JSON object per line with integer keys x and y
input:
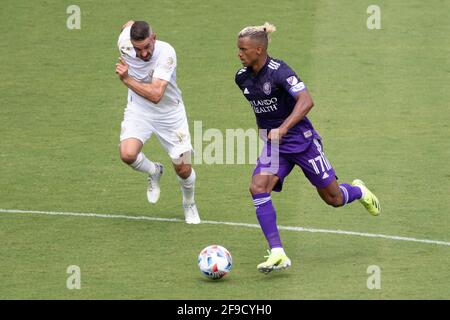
{"x": 271, "y": 93}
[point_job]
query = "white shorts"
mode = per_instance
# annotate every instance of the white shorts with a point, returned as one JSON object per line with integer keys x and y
{"x": 172, "y": 131}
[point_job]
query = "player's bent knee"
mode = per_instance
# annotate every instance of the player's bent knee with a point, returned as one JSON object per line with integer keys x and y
{"x": 183, "y": 171}
{"x": 257, "y": 189}
{"x": 128, "y": 157}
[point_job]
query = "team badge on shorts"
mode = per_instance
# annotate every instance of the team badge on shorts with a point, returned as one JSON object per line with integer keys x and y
{"x": 267, "y": 88}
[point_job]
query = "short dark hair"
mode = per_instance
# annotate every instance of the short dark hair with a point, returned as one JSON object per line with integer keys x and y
{"x": 140, "y": 30}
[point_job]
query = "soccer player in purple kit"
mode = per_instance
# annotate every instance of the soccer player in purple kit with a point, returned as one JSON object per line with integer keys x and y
{"x": 281, "y": 101}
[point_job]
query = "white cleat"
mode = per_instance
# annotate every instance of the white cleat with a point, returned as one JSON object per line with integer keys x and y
{"x": 153, "y": 189}
{"x": 191, "y": 214}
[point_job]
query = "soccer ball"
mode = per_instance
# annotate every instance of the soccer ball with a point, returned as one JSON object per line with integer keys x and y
{"x": 215, "y": 262}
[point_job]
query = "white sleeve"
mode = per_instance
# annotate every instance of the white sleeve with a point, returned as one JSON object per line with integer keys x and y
{"x": 166, "y": 65}
{"x": 124, "y": 43}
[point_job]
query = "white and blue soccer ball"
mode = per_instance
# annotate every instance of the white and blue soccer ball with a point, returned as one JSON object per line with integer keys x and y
{"x": 215, "y": 262}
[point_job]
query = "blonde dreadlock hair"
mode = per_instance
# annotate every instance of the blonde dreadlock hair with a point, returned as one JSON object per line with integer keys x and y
{"x": 259, "y": 33}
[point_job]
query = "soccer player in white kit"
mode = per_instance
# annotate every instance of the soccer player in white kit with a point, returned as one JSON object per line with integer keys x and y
{"x": 148, "y": 68}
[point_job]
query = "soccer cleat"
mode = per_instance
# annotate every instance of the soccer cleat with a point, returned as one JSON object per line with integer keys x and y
{"x": 275, "y": 261}
{"x": 368, "y": 199}
{"x": 153, "y": 189}
{"x": 191, "y": 214}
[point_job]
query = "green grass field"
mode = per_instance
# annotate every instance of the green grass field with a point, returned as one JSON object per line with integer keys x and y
{"x": 381, "y": 106}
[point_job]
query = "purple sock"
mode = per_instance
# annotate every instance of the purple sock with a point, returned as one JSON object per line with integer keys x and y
{"x": 350, "y": 193}
{"x": 267, "y": 217}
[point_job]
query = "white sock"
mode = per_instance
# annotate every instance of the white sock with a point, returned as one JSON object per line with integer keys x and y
{"x": 142, "y": 164}
{"x": 363, "y": 192}
{"x": 277, "y": 250}
{"x": 187, "y": 187}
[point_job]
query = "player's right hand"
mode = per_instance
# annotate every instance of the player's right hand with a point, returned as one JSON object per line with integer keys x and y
{"x": 122, "y": 69}
{"x": 276, "y": 135}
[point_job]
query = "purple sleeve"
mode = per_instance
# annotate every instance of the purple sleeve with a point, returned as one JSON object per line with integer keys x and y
{"x": 289, "y": 81}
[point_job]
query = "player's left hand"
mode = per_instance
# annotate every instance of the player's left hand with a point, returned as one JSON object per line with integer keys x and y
{"x": 122, "y": 69}
{"x": 276, "y": 135}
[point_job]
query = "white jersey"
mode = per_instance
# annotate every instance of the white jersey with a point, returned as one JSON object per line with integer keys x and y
{"x": 162, "y": 65}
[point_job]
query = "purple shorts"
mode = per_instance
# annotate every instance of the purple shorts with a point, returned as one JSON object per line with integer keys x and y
{"x": 312, "y": 161}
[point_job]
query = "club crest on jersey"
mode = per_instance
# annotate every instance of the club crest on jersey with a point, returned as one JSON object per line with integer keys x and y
{"x": 292, "y": 80}
{"x": 267, "y": 88}
{"x": 169, "y": 63}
